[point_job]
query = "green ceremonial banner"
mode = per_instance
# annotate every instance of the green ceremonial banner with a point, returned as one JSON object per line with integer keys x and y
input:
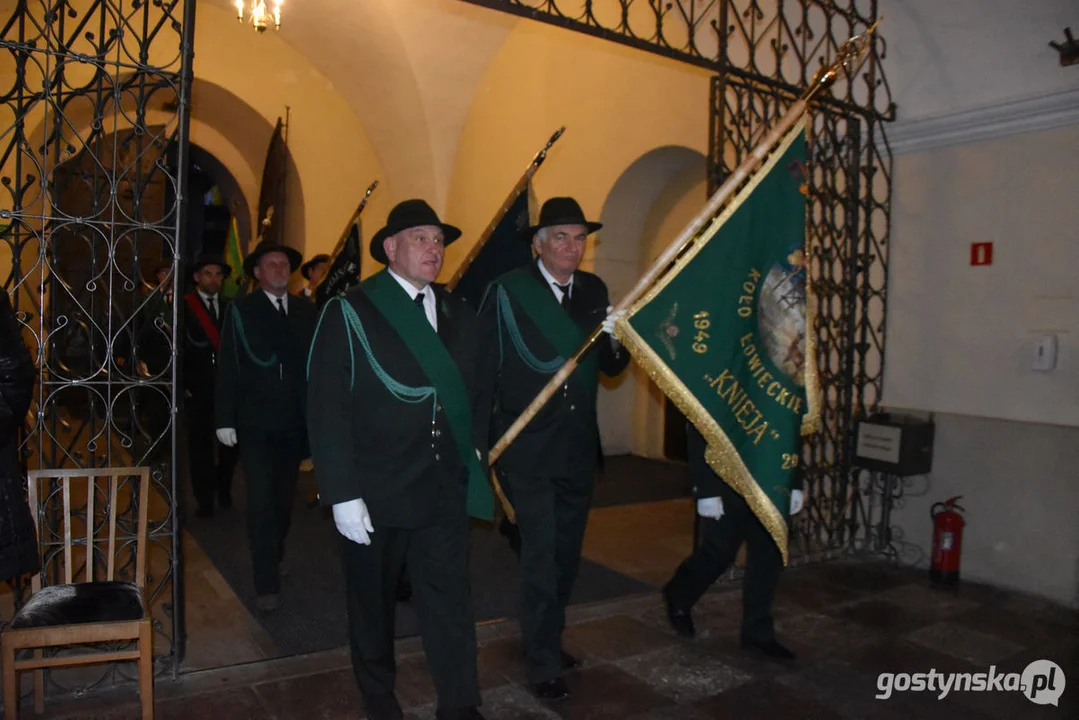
{"x": 724, "y": 334}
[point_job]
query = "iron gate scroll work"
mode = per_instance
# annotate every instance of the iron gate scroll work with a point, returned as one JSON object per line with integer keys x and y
{"x": 764, "y": 54}
{"x": 93, "y": 147}
{"x": 849, "y": 197}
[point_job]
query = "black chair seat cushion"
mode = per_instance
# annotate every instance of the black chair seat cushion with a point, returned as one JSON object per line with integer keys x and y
{"x": 90, "y": 602}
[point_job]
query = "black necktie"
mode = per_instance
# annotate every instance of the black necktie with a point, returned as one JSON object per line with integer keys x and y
{"x": 419, "y": 303}
{"x": 281, "y": 307}
{"x": 565, "y": 294}
{"x": 213, "y": 308}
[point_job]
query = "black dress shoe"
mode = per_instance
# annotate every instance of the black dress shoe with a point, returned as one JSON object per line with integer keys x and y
{"x": 551, "y": 690}
{"x": 568, "y": 661}
{"x": 771, "y": 649}
{"x": 382, "y": 707}
{"x": 680, "y": 618}
{"x": 512, "y": 533}
{"x": 468, "y": 713}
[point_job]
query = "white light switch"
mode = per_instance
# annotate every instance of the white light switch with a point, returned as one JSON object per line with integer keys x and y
{"x": 1045, "y": 353}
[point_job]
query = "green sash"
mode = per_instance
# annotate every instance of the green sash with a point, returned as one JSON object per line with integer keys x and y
{"x": 425, "y": 345}
{"x": 551, "y": 320}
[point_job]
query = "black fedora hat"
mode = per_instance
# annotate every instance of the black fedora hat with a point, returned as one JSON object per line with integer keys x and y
{"x": 269, "y": 246}
{"x": 306, "y": 268}
{"x": 405, "y": 215}
{"x": 561, "y": 211}
{"x": 205, "y": 260}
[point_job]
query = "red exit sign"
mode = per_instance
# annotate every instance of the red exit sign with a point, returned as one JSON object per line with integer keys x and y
{"x": 981, "y": 253}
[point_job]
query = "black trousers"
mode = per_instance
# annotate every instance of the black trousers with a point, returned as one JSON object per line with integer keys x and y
{"x": 551, "y": 514}
{"x": 717, "y": 549}
{"x": 437, "y": 557}
{"x": 271, "y": 464}
{"x": 209, "y": 478}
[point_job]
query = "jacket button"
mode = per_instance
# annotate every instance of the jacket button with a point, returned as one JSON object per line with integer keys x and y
{"x": 438, "y": 433}
{"x": 438, "y": 408}
{"x": 437, "y": 456}
{"x": 572, "y": 407}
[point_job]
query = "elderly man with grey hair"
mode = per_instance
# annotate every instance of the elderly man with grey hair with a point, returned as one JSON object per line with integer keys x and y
{"x": 533, "y": 319}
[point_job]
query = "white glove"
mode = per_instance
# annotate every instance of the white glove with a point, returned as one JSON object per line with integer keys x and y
{"x": 353, "y": 521}
{"x": 797, "y": 501}
{"x": 226, "y": 436}
{"x": 608, "y": 323}
{"x": 710, "y": 508}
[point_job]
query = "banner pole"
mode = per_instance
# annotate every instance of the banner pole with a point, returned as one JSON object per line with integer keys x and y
{"x": 348, "y": 228}
{"x": 489, "y": 230}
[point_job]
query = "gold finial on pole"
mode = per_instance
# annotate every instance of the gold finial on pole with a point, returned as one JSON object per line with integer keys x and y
{"x": 849, "y": 60}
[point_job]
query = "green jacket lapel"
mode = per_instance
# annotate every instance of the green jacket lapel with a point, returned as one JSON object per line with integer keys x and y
{"x": 529, "y": 288}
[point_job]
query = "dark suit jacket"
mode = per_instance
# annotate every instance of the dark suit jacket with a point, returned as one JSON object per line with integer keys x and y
{"x": 200, "y": 358}
{"x": 561, "y": 440}
{"x": 366, "y": 443}
{"x": 251, "y": 391}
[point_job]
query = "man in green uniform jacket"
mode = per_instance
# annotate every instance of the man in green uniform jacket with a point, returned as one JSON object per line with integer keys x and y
{"x": 259, "y": 394}
{"x": 533, "y": 320}
{"x": 727, "y": 522}
{"x": 399, "y": 445}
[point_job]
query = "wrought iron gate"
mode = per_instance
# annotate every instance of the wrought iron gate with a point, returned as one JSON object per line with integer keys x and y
{"x": 93, "y": 145}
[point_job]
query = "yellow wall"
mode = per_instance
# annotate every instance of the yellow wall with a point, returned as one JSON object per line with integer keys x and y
{"x": 616, "y": 103}
{"x": 334, "y": 159}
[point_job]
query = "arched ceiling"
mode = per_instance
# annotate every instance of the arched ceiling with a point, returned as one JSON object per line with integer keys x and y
{"x": 408, "y": 68}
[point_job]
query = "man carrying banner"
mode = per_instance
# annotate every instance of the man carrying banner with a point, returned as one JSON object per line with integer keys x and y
{"x": 727, "y": 334}
{"x": 399, "y": 443}
{"x": 313, "y": 271}
{"x": 727, "y": 522}
{"x": 204, "y": 312}
{"x": 534, "y": 318}
{"x": 260, "y": 391}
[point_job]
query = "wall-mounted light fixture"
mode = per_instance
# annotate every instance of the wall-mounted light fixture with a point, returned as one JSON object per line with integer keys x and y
{"x": 258, "y": 15}
{"x": 1069, "y": 50}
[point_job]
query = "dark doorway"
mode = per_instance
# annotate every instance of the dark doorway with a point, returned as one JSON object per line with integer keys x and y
{"x": 214, "y": 200}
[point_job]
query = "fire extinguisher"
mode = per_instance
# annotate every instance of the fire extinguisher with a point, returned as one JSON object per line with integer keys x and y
{"x": 947, "y": 541}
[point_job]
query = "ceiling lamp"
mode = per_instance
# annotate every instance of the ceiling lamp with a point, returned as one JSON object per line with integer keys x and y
{"x": 258, "y": 15}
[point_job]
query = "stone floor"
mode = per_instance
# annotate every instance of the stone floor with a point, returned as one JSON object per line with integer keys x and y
{"x": 848, "y": 621}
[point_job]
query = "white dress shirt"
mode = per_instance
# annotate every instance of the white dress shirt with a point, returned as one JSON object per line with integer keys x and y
{"x": 215, "y": 308}
{"x": 275, "y": 298}
{"x": 553, "y": 284}
{"x": 428, "y": 297}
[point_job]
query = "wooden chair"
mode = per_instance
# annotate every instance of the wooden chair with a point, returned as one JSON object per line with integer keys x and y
{"x": 89, "y": 610}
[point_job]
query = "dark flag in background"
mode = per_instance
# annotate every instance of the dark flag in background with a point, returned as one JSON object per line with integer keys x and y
{"x": 344, "y": 271}
{"x": 272, "y": 192}
{"x": 503, "y": 251}
{"x": 727, "y": 334}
